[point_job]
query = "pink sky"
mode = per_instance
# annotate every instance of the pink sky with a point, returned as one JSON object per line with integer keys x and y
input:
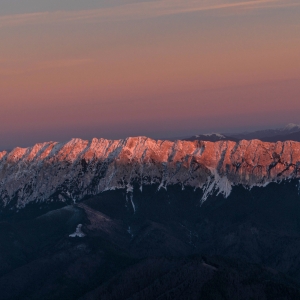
{"x": 158, "y": 68}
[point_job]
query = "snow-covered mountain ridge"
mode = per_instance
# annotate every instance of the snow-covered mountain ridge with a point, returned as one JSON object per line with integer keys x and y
{"x": 72, "y": 170}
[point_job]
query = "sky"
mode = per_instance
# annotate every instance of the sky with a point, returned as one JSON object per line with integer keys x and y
{"x": 160, "y": 68}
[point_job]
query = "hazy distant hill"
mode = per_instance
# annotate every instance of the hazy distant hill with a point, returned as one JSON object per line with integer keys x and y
{"x": 295, "y": 136}
{"x": 289, "y": 132}
{"x": 271, "y": 135}
{"x": 211, "y": 137}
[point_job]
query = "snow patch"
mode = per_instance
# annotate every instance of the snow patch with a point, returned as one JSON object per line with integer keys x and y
{"x": 216, "y": 134}
{"x": 129, "y": 231}
{"x": 291, "y": 126}
{"x": 133, "y": 205}
{"x": 217, "y": 183}
{"x": 129, "y": 188}
{"x": 78, "y": 232}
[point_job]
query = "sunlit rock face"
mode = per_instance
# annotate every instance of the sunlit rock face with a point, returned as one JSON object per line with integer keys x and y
{"x": 78, "y": 168}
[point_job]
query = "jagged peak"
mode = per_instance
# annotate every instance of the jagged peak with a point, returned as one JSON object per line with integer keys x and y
{"x": 75, "y": 144}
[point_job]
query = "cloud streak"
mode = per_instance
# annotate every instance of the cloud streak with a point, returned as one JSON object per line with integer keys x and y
{"x": 139, "y": 10}
{"x": 17, "y": 68}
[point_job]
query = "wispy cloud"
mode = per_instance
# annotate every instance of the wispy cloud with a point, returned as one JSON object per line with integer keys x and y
{"x": 19, "y": 67}
{"x": 63, "y": 63}
{"x": 140, "y": 10}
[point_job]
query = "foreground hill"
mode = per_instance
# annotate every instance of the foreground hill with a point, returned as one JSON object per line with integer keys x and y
{"x": 157, "y": 244}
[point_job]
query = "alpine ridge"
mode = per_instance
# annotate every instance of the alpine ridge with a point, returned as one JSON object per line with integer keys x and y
{"x": 70, "y": 171}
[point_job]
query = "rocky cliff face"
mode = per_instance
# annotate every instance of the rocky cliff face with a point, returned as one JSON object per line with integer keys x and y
{"x": 69, "y": 171}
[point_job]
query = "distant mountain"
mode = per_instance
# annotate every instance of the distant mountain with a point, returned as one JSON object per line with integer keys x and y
{"x": 265, "y": 135}
{"x": 289, "y": 132}
{"x": 295, "y": 136}
{"x": 211, "y": 137}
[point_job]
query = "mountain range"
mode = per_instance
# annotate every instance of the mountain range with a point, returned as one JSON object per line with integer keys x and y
{"x": 81, "y": 168}
{"x": 158, "y": 219}
{"x": 289, "y": 132}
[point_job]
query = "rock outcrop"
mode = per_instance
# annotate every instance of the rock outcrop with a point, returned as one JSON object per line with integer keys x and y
{"x": 69, "y": 171}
